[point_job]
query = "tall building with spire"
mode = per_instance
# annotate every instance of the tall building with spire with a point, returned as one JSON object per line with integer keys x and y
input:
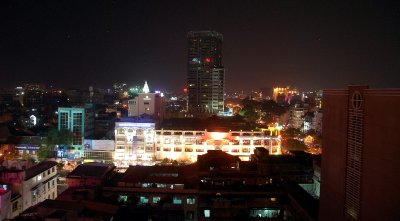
{"x": 205, "y": 80}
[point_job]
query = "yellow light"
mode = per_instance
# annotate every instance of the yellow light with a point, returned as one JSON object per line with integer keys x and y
{"x": 217, "y": 135}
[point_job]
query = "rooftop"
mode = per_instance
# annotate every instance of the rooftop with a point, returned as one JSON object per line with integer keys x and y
{"x": 159, "y": 174}
{"x": 39, "y": 168}
{"x": 91, "y": 170}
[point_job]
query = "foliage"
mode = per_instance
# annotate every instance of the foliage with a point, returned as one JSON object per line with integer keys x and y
{"x": 54, "y": 137}
{"x": 294, "y": 145}
{"x": 28, "y": 157}
{"x": 44, "y": 152}
{"x": 291, "y": 132}
{"x": 11, "y": 155}
{"x": 169, "y": 161}
{"x": 266, "y": 110}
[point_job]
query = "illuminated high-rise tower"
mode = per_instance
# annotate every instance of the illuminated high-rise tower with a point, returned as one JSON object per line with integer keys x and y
{"x": 205, "y": 81}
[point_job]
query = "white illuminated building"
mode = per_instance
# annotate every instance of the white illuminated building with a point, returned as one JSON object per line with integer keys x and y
{"x": 140, "y": 143}
{"x": 143, "y": 103}
{"x": 187, "y": 145}
{"x": 134, "y": 143}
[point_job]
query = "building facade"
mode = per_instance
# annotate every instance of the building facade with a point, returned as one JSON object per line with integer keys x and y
{"x": 296, "y": 116}
{"x": 146, "y": 103}
{"x": 134, "y": 142}
{"x": 360, "y": 158}
{"x": 284, "y": 95}
{"x": 30, "y": 186}
{"x": 80, "y": 121}
{"x": 140, "y": 143}
{"x": 205, "y": 80}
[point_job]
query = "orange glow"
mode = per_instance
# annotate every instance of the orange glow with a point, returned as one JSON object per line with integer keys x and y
{"x": 218, "y": 135}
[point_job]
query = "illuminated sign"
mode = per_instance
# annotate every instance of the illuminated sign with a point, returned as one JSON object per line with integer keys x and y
{"x": 129, "y": 124}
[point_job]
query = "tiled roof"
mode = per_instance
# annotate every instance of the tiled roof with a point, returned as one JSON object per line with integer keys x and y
{"x": 91, "y": 170}
{"x": 39, "y": 168}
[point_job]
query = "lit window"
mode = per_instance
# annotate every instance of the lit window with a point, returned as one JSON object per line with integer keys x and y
{"x": 207, "y": 213}
{"x": 177, "y": 200}
{"x": 122, "y": 198}
{"x": 190, "y": 200}
{"x": 143, "y": 200}
{"x": 39, "y": 177}
{"x": 156, "y": 199}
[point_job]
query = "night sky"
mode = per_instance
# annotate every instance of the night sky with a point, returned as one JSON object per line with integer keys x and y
{"x": 307, "y": 44}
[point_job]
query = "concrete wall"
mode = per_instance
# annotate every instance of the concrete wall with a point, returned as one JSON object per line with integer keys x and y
{"x": 333, "y": 168}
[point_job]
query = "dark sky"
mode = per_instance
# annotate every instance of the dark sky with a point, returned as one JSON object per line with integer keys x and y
{"x": 308, "y": 44}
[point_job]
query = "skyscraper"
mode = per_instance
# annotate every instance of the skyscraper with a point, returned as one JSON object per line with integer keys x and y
{"x": 205, "y": 80}
{"x": 360, "y": 160}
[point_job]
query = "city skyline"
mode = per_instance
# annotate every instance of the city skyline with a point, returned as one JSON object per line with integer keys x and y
{"x": 310, "y": 45}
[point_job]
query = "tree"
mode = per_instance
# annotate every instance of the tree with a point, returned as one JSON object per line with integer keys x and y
{"x": 294, "y": 145}
{"x": 291, "y": 132}
{"x": 55, "y": 137}
{"x": 28, "y": 157}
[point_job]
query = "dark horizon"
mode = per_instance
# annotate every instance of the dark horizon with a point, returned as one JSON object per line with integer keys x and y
{"x": 308, "y": 45}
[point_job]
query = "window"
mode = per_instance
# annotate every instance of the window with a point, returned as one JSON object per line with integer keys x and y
{"x": 199, "y": 142}
{"x": 39, "y": 177}
{"x": 15, "y": 206}
{"x": 122, "y": 198}
{"x": 257, "y": 142}
{"x": 177, "y": 200}
{"x": 156, "y": 199}
{"x": 189, "y": 215}
{"x": 264, "y": 212}
{"x": 143, "y": 199}
{"x": 121, "y": 131}
{"x": 190, "y": 200}
{"x": 207, "y": 213}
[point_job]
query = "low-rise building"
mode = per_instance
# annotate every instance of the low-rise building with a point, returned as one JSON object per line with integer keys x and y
{"x": 141, "y": 143}
{"x": 29, "y": 186}
{"x": 90, "y": 175}
{"x": 5, "y": 203}
{"x": 40, "y": 183}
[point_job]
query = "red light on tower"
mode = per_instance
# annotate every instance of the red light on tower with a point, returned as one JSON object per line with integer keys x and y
{"x": 208, "y": 60}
